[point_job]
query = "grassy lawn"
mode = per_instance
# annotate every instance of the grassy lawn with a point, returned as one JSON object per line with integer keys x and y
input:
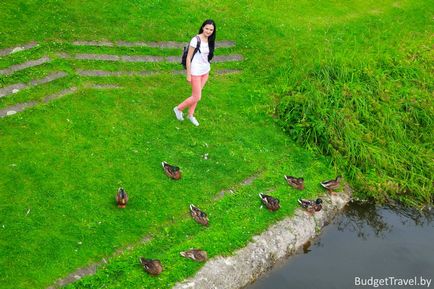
{"x": 62, "y": 162}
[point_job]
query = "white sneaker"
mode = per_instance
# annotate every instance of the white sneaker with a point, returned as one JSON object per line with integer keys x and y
{"x": 193, "y": 120}
{"x": 178, "y": 113}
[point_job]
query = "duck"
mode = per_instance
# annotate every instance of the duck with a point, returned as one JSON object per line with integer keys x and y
{"x": 195, "y": 254}
{"x": 271, "y": 203}
{"x": 310, "y": 205}
{"x": 296, "y": 183}
{"x": 331, "y": 185}
{"x": 171, "y": 171}
{"x": 152, "y": 266}
{"x": 121, "y": 198}
{"x": 198, "y": 215}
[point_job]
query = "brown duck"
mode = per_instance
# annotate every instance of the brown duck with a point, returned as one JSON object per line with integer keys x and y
{"x": 310, "y": 205}
{"x": 271, "y": 203}
{"x": 198, "y": 215}
{"x": 121, "y": 198}
{"x": 152, "y": 266}
{"x": 171, "y": 171}
{"x": 332, "y": 184}
{"x": 296, "y": 183}
{"x": 195, "y": 254}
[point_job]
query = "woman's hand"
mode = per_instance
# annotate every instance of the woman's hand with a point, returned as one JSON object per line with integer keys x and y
{"x": 189, "y": 78}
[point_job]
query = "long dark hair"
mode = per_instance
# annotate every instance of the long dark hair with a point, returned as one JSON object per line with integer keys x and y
{"x": 211, "y": 38}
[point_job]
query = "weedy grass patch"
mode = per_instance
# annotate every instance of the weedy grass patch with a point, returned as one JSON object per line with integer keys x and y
{"x": 366, "y": 100}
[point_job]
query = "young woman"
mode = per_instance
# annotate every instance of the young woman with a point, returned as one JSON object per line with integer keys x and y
{"x": 198, "y": 68}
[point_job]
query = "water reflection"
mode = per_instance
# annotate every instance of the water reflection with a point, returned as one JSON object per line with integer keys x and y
{"x": 365, "y": 240}
{"x": 410, "y": 216}
{"x": 363, "y": 218}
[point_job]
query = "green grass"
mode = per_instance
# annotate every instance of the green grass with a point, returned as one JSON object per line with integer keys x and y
{"x": 366, "y": 100}
{"x": 71, "y": 164}
{"x": 350, "y": 80}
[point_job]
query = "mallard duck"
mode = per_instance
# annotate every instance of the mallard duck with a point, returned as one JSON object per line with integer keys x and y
{"x": 271, "y": 203}
{"x": 121, "y": 198}
{"x": 331, "y": 185}
{"x": 198, "y": 215}
{"x": 171, "y": 171}
{"x": 310, "y": 205}
{"x": 296, "y": 183}
{"x": 152, "y": 266}
{"x": 195, "y": 254}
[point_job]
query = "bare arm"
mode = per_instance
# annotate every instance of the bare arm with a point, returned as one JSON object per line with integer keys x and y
{"x": 188, "y": 62}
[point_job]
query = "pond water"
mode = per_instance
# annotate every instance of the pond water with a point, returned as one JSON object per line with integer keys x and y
{"x": 367, "y": 246}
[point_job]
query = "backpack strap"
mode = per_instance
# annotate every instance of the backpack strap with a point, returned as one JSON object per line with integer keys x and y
{"x": 197, "y": 46}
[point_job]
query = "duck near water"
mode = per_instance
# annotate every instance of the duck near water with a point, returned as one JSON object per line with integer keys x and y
{"x": 121, "y": 198}
{"x": 296, "y": 183}
{"x": 198, "y": 215}
{"x": 332, "y": 184}
{"x": 152, "y": 266}
{"x": 310, "y": 205}
{"x": 171, "y": 171}
{"x": 195, "y": 254}
{"x": 272, "y": 204}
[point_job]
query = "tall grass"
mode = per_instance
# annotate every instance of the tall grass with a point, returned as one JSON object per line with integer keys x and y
{"x": 366, "y": 100}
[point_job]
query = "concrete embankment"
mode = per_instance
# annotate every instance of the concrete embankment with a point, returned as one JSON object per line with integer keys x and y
{"x": 279, "y": 241}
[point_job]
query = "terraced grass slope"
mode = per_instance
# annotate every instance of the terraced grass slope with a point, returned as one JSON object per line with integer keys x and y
{"x": 85, "y": 134}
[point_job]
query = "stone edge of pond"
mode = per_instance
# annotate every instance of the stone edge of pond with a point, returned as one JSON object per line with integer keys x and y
{"x": 279, "y": 241}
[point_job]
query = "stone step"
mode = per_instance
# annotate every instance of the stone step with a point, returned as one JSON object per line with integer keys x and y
{"x": 14, "y": 88}
{"x": 153, "y": 44}
{"x": 148, "y": 58}
{"x": 11, "y": 110}
{"x": 105, "y": 73}
{"x": 17, "y": 67}
{"x": 7, "y": 51}
{"x": 10, "y": 89}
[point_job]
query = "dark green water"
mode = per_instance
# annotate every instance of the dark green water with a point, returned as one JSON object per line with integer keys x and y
{"x": 365, "y": 247}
